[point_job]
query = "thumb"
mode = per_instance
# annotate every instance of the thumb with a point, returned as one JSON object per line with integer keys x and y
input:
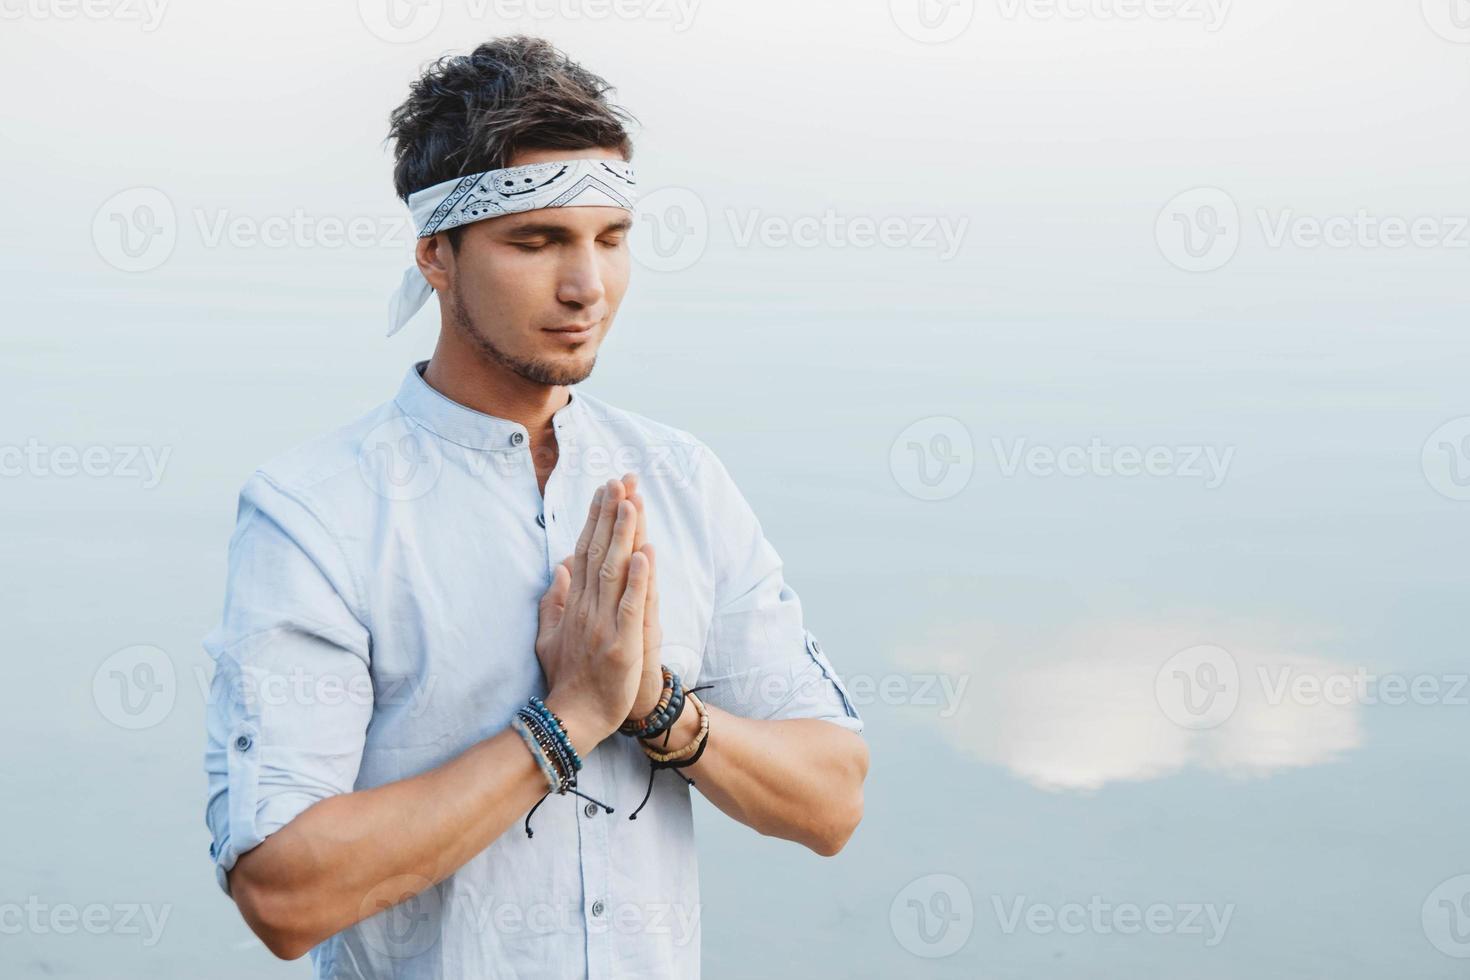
{"x": 554, "y": 602}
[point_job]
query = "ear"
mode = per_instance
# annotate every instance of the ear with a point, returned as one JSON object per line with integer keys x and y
{"x": 435, "y": 260}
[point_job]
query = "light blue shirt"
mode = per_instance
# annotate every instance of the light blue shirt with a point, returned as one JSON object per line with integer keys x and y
{"x": 380, "y": 618}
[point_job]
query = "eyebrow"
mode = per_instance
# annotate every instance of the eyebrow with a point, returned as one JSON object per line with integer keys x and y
{"x": 561, "y": 233}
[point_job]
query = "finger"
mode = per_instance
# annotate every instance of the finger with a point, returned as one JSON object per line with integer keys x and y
{"x": 579, "y": 554}
{"x": 640, "y": 537}
{"x": 554, "y": 601}
{"x": 635, "y": 597}
{"x": 613, "y": 576}
{"x": 597, "y": 548}
{"x": 647, "y": 550}
{"x": 630, "y": 482}
{"x": 652, "y": 635}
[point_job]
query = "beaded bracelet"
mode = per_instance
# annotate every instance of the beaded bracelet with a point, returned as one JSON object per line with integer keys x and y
{"x": 631, "y": 727}
{"x": 558, "y": 728}
{"x": 664, "y": 714}
{"x": 700, "y": 741}
{"x": 546, "y": 736}
{"x": 694, "y": 744}
{"x": 566, "y": 771}
{"x": 548, "y": 769}
{"x": 685, "y": 763}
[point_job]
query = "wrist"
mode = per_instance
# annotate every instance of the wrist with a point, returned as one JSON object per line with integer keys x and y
{"x": 583, "y": 729}
{"x": 653, "y": 691}
{"x": 685, "y": 727}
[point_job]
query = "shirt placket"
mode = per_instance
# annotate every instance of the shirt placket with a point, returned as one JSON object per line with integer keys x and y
{"x": 593, "y": 825}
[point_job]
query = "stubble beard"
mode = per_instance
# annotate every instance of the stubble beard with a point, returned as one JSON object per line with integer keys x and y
{"x": 535, "y": 371}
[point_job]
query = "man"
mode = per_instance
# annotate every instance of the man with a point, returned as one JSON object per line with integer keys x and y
{"x": 398, "y": 590}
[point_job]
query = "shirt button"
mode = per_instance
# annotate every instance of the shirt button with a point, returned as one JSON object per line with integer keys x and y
{"x": 597, "y": 907}
{"x": 590, "y": 809}
{"x": 243, "y": 743}
{"x": 516, "y": 438}
{"x": 541, "y": 519}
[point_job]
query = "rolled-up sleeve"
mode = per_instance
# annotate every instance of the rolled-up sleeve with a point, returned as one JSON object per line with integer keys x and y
{"x": 291, "y": 696}
{"x": 760, "y": 659}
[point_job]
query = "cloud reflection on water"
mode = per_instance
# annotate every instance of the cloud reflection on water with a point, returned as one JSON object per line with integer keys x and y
{"x": 1083, "y": 709}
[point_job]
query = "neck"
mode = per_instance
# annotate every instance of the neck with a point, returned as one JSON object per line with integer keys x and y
{"x": 477, "y": 382}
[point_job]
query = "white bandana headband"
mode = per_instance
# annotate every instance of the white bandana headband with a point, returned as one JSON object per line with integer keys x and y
{"x": 511, "y": 190}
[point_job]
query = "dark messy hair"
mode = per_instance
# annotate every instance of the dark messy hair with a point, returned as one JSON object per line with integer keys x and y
{"x": 468, "y": 113}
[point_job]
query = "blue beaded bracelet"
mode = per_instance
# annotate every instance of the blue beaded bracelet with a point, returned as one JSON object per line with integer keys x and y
{"x": 663, "y": 720}
{"x": 551, "y": 746}
{"x": 554, "y": 723}
{"x": 548, "y": 768}
{"x": 547, "y": 739}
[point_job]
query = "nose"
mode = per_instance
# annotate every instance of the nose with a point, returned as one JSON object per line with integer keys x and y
{"x": 580, "y": 283}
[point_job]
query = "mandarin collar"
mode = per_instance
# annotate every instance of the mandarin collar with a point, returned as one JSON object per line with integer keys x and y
{"x": 466, "y": 427}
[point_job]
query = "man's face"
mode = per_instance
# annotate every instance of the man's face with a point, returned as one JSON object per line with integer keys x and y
{"x": 537, "y": 292}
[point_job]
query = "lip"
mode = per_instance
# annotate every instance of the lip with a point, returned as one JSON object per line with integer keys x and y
{"x": 574, "y": 331}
